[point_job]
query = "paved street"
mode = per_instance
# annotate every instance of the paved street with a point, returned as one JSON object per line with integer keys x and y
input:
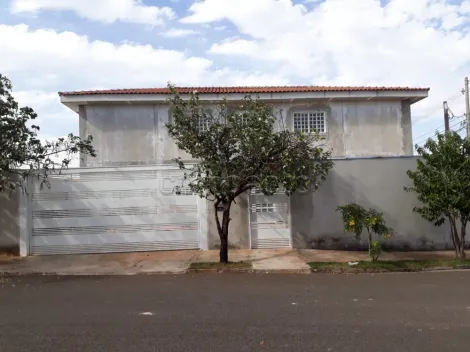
{"x": 237, "y": 312}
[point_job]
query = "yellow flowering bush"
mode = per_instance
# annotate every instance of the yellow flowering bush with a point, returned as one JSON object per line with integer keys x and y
{"x": 355, "y": 218}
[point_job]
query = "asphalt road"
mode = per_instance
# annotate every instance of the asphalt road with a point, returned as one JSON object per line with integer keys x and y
{"x": 237, "y": 312}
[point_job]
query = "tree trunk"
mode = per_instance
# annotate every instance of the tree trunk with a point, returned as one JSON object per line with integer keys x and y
{"x": 463, "y": 228}
{"x": 458, "y": 248}
{"x": 223, "y": 254}
{"x": 222, "y": 229}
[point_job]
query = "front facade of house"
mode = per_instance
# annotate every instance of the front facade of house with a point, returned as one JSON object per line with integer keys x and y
{"x": 128, "y": 126}
{"x": 124, "y": 199}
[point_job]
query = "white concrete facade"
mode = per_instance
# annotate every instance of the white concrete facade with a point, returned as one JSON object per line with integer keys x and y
{"x": 134, "y": 133}
{"x": 129, "y": 129}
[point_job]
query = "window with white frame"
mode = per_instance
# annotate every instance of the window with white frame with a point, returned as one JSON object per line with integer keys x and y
{"x": 241, "y": 115}
{"x": 243, "y": 118}
{"x": 310, "y": 121}
{"x": 203, "y": 123}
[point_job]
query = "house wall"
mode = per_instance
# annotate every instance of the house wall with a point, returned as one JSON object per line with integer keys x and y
{"x": 360, "y": 128}
{"x": 377, "y": 183}
{"x": 136, "y": 134}
{"x": 125, "y": 135}
{"x": 9, "y": 222}
{"x": 372, "y": 182}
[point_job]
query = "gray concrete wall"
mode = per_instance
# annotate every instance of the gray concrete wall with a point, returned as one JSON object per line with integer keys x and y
{"x": 136, "y": 134}
{"x": 9, "y": 222}
{"x": 376, "y": 183}
{"x": 360, "y": 128}
{"x": 128, "y": 135}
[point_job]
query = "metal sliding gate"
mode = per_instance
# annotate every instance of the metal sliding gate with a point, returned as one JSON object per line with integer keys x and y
{"x": 114, "y": 210}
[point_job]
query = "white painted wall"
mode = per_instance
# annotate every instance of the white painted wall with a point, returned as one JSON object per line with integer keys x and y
{"x": 136, "y": 134}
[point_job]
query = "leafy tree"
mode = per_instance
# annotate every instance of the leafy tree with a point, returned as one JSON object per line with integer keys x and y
{"x": 442, "y": 184}
{"x": 356, "y": 218}
{"x": 22, "y": 153}
{"x": 239, "y": 150}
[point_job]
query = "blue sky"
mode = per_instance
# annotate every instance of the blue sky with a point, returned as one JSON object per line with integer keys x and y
{"x": 53, "y": 45}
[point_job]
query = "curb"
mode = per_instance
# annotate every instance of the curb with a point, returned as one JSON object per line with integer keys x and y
{"x": 219, "y": 271}
{"x": 12, "y": 273}
{"x": 250, "y": 271}
{"x": 283, "y": 271}
{"x": 237, "y": 270}
{"x": 384, "y": 271}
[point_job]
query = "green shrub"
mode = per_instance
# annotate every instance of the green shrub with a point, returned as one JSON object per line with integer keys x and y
{"x": 375, "y": 250}
{"x": 356, "y": 218}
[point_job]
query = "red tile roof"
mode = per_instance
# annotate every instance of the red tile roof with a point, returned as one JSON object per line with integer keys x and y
{"x": 240, "y": 90}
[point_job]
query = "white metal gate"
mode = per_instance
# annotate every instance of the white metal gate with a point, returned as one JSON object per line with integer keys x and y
{"x": 269, "y": 220}
{"x": 114, "y": 210}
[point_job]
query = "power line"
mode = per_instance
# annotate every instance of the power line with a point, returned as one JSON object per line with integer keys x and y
{"x": 436, "y": 108}
{"x": 431, "y": 110}
{"x": 419, "y": 142}
{"x": 429, "y": 132}
{"x": 437, "y": 129}
{"x": 420, "y": 139}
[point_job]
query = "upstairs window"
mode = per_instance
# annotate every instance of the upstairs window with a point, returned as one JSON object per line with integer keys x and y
{"x": 203, "y": 123}
{"x": 310, "y": 121}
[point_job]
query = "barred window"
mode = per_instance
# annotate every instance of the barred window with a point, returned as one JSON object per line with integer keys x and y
{"x": 241, "y": 115}
{"x": 310, "y": 121}
{"x": 203, "y": 123}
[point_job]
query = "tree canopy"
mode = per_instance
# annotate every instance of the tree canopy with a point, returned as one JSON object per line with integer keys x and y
{"x": 22, "y": 153}
{"x": 237, "y": 148}
{"x": 442, "y": 184}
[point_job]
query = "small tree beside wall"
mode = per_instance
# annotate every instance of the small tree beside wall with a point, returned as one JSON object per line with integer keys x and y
{"x": 442, "y": 185}
{"x": 356, "y": 218}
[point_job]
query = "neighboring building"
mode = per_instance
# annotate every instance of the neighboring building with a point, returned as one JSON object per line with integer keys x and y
{"x": 128, "y": 125}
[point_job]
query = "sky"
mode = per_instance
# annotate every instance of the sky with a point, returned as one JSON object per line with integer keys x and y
{"x": 48, "y": 46}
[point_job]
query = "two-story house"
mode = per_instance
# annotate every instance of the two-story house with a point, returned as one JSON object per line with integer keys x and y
{"x": 128, "y": 127}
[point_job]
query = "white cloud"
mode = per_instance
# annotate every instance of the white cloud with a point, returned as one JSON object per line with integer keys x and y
{"x": 107, "y": 11}
{"x": 38, "y": 99}
{"x": 41, "y": 62}
{"x": 337, "y": 42}
{"x": 53, "y": 117}
{"x": 344, "y": 42}
{"x": 178, "y": 32}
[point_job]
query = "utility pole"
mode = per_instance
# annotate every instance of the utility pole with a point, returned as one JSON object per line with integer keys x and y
{"x": 446, "y": 117}
{"x": 467, "y": 107}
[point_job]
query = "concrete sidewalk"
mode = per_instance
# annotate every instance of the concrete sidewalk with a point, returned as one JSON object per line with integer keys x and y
{"x": 102, "y": 264}
{"x": 171, "y": 262}
{"x": 178, "y": 262}
{"x": 262, "y": 260}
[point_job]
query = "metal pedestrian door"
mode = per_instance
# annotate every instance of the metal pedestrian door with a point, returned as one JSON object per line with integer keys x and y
{"x": 269, "y": 220}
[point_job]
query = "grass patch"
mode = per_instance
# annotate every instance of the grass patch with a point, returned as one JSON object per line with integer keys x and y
{"x": 398, "y": 265}
{"x": 220, "y": 266}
